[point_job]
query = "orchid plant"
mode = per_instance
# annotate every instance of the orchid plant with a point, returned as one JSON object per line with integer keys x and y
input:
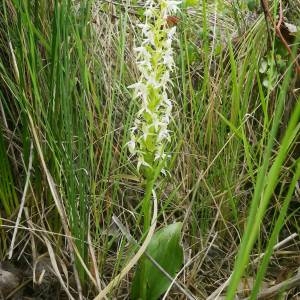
{"x": 150, "y": 133}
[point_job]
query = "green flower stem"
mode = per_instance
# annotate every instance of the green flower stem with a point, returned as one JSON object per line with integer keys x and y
{"x": 146, "y": 208}
{"x": 146, "y": 215}
{"x": 151, "y": 179}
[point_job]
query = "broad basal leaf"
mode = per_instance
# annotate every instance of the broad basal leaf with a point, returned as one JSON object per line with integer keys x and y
{"x": 149, "y": 282}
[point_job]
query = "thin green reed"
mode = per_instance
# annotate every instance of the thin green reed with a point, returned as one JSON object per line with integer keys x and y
{"x": 53, "y": 87}
{"x": 266, "y": 181}
{"x": 70, "y": 90}
{"x": 276, "y": 230}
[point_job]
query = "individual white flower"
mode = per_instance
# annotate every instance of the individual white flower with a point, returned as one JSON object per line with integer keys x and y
{"x": 144, "y": 65}
{"x": 156, "y": 123}
{"x": 145, "y": 28}
{"x": 146, "y": 132}
{"x": 142, "y": 52}
{"x": 149, "y": 38}
{"x": 140, "y": 89}
{"x": 152, "y": 81}
{"x": 166, "y": 119}
{"x": 131, "y": 146}
{"x": 168, "y": 59}
{"x": 168, "y": 103}
{"x": 159, "y": 155}
{"x": 165, "y": 79}
{"x": 150, "y": 9}
{"x": 163, "y": 134}
{"x": 171, "y": 34}
{"x": 171, "y": 7}
{"x": 142, "y": 162}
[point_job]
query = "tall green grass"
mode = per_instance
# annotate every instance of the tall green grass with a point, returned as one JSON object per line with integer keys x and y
{"x": 49, "y": 53}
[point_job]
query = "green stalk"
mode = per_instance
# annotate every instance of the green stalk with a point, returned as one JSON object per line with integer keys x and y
{"x": 146, "y": 212}
{"x": 146, "y": 206}
{"x": 151, "y": 179}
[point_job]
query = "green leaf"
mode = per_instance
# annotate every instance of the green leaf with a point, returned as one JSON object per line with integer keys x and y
{"x": 252, "y": 5}
{"x": 149, "y": 282}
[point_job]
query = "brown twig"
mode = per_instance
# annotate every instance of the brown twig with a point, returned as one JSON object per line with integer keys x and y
{"x": 278, "y": 30}
{"x": 265, "y": 7}
{"x": 279, "y": 288}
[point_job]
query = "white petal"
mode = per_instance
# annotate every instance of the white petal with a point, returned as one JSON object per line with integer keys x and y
{"x": 131, "y": 147}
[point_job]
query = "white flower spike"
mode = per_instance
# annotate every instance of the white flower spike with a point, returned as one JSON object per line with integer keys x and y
{"x": 155, "y": 62}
